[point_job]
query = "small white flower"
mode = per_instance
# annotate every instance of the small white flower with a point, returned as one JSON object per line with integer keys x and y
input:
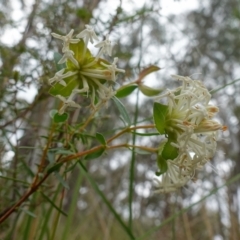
{"x": 113, "y": 69}
{"x": 106, "y": 93}
{"x": 68, "y": 54}
{"x": 88, "y": 35}
{"x": 59, "y": 76}
{"x": 105, "y": 47}
{"x": 66, "y": 39}
{"x": 67, "y": 103}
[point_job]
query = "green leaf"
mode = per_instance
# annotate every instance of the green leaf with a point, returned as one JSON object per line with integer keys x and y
{"x": 60, "y": 118}
{"x": 28, "y": 212}
{"x": 61, "y": 180}
{"x": 27, "y": 168}
{"x": 122, "y": 110}
{"x": 71, "y": 168}
{"x": 53, "y": 112}
{"x": 101, "y": 138}
{"x": 15, "y": 180}
{"x": 169, "y": 151}
{"x": 159, "y": 116}
{"x": 162, "y": 165}
{"x": 53, "y": 204}
{"x": 54, "y": 168}
{"x": 48, "y": 213}
{"x": 124, "y": 91}
{"x": 63, "y": 151}
{"x": 96, "y": 154}
{"x": 148, "y": 91}
{"x": 51, "y": 156}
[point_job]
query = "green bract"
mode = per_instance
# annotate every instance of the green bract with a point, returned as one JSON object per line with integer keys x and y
{"x": 159, "y": 115}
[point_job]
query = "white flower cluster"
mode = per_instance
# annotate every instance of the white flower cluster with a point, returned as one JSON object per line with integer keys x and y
{"x": 189, "y": 117}
{"x": 92, "y": 76}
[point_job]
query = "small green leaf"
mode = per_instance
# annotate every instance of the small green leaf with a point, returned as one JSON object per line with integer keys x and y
{"x": 31, "y": 214}
{"x": 71, "y": 167}
{"x": 101, "y": 138}
{"x": 51, "y": 156}
{"x": 124, "y": 91}
{"x": 61, "y": 180}
{"x": 60, "y": 118}
{"x": 54, "y": 168}
{"x": 169, "y": 151}
{"x": 159, "y": 116}
{"x": 122, "y": 110}
{"x": 64, "y": 152}
{"x": 96, "y": 154}
{"x": 162, "y": 165}
{"x": 53, "y": 112}
{"x": 26, "y": 167}
{"x": 53, "y": 204}
{"x": 148, "y": 91}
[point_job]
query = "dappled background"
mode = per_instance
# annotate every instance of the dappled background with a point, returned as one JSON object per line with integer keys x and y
{"x": 191, "y": 38}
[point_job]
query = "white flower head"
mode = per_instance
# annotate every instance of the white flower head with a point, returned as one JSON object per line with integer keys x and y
{"x": 95, "y": 77}
{"x": 189, "y": 120}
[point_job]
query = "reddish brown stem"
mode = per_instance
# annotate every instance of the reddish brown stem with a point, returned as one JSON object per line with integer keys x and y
{"x": 6, "y": 213}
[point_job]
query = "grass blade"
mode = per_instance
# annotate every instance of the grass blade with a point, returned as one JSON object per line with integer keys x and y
{"x": 111, "y": 208}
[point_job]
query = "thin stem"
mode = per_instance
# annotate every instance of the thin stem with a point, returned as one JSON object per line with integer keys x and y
{"x": 132, "y": 166}
{"x": 56, "y": 220}
{"x": 125, "y": 145}
{"x": 90, "y": 118}
{"x": 129, "y": 129}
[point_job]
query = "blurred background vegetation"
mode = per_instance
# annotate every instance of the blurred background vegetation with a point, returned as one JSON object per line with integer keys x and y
{"x": 96, "y": 201}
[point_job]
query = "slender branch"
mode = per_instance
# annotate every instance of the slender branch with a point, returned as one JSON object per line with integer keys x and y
{"x": 125, "y": 145}
{"x": 129, "y": 129}
{"x": 90, "y": 117}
